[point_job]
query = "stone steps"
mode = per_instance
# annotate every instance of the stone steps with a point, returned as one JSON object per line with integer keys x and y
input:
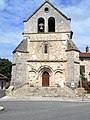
{"x": 44, "y": 91}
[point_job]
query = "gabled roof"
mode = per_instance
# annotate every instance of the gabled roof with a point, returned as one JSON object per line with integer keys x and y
{"x": 71, "y": 46}
{"x": 2, "y": 77}
{"x": 22, "y": 47}
{"x": 50, "y": 5}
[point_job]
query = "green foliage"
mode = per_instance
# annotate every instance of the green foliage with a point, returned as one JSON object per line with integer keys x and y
{"x": 5, "y": 68}
{"x": 84, "y": 82}
{"x": 82, "y": 76}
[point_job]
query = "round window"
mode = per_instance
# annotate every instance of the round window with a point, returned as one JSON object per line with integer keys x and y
{"x": 46, "y": 9}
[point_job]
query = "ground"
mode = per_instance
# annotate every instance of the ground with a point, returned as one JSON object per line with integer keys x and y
{"x": 45, "y": 110}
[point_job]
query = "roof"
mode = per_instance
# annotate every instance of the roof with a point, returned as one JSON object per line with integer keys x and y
{"x": 2, "y": 77}
{"x": 71, "y": 46}
{"x": 52, "y": 6}
{"x": 22, "y": 47}
{"x": 84, "y": 55}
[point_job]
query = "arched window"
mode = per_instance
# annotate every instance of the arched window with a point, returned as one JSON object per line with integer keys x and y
{"x": 41, "y": 25}
{"x": 51, "y": 24}
{"x": 45, "y": 48}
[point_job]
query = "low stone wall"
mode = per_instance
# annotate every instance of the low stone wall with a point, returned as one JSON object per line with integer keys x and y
{"x": 2, "y": 93}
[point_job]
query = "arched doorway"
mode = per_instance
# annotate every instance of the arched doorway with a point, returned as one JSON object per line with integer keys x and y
{"x": 45, "y": 79}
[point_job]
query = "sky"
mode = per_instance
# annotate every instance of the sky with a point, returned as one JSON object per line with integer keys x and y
{"x": 14, "y": 12}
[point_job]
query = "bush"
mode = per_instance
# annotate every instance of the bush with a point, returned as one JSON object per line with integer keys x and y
{"x": 5, "y": 68}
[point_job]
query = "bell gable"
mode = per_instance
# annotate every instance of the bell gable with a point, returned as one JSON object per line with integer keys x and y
{"x": 45, "y": 19}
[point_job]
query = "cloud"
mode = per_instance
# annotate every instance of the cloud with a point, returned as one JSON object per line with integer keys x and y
{"x": 12, "y": 14}
{"x": 2, "y": 4}
{"x": 78, "y": 11}
{"x": 6, "y": 50}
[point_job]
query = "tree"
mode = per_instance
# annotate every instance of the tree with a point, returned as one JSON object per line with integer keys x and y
{"x": 5, "y": 68}
{"x": 85, "y": 83}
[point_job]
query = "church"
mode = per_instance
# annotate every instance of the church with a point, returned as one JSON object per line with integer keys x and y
{"x": 47, "y": 55}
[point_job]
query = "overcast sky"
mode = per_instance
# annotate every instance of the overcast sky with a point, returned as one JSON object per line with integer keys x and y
{"x": 14, "y": 12}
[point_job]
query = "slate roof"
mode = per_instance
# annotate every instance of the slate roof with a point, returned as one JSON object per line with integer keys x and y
{"x": 22, "y": 47}
{"x": 52, "y": 6}
{"x": 71, "y": 46}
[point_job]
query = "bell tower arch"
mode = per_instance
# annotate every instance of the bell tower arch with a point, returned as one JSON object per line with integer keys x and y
{"x": 41, "y": 25}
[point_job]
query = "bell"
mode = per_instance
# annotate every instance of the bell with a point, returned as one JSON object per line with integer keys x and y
{"x": 41, "y": 26}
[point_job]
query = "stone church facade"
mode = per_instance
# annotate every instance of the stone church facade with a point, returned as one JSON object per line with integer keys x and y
{"x": 46, "y": 56}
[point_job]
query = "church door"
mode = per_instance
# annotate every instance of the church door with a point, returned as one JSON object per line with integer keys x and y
{"x": 45, "y": 79}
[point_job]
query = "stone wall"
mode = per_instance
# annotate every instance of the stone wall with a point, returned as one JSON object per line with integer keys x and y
{"x": 61, "y": 23}
{"x": 56, "y": 71}
{"x": 30, "y": 60}
{"x": 2, "y": 93}
{"x": 86, "y": 63}
{"x": 60, "y": 64}
{"x": 56, "y": 46}
{"x": 19, "y": 69}
{"x": 73, "y": 66}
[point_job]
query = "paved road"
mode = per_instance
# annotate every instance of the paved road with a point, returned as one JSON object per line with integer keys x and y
{"x": 29, "y": 110}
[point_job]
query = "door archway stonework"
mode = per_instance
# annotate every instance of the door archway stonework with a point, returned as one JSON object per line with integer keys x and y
{"x": 45, "y": 76}
{"x": 45, "y": 79}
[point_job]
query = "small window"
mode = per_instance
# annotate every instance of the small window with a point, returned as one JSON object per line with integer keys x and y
{"x": 46, "y": 10}
{"x": 82, "y": 72}
{"x": 82, "y": 69}
{"x": 45, "y": 49}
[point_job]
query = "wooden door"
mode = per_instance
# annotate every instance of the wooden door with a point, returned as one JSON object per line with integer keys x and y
{"x": 45, "y": 79}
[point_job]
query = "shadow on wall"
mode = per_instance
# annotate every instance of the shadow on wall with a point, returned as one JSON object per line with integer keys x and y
{"x": 2, "y": 93}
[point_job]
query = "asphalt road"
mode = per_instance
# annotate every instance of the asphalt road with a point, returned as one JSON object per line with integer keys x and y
{"x": 29, "y": 110}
